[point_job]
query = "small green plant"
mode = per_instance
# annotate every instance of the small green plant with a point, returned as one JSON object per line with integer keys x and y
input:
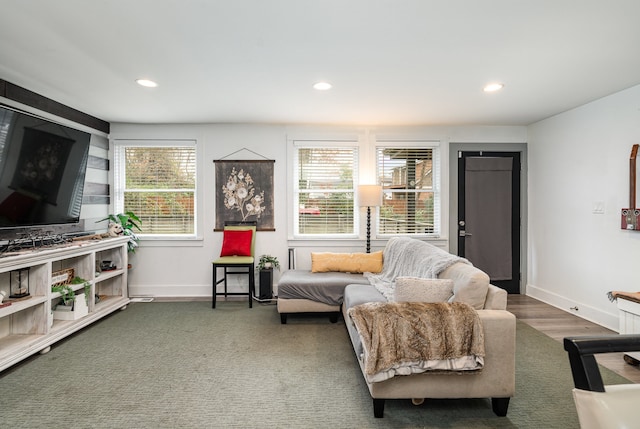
{"x": 66, "y": 293}
{"x": 268, "y": 261}
{"x": 87, "y": 286}
{"x": 128, "y": 221}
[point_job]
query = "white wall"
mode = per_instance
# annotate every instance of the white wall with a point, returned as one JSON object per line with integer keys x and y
{"x": 184, "y": 268}
{"x": 579, "y": 159}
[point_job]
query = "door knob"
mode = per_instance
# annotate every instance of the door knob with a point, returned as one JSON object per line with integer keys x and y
{"x": 465, "y": 234}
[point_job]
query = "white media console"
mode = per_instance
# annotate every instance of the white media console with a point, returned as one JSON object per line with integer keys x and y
{"x": 28, "y": 326}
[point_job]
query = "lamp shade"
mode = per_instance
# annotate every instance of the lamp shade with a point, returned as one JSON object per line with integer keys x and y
{"x": 370, "y": 195}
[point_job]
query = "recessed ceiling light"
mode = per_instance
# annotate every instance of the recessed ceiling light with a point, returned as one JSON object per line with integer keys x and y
{"x": 146, "y": 82}
{"x": 322, "y": 86}
{"x": 493, "y": 87}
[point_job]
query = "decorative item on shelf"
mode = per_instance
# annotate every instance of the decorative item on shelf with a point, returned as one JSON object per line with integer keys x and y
{"x": 72, "y": 306}
{"x": 72, "y": 312}
{"x": 60, "y": 281}
{"x": 107, "y": 266}
{"x": 66, "y": 293}
{"x": 19, "y": 283}
{"x": 3, "y": 294}
{"x": 369, "y": 196}
{"x": 127, "y": 221}
{"x": 62, "y": 277}
{"x": 267, "y": 262}
{"x": 87, "y": 286}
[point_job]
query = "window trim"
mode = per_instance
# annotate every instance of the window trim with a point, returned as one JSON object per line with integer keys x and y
{"x": 118, "y": 184}
{"x": 297, "y": 144}
{"x": 434, "y": 145}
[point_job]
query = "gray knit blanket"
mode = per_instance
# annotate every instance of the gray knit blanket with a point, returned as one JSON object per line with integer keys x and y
{"x": 409, "y": 257}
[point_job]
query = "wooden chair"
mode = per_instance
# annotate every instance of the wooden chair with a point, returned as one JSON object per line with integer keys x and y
{"x": 240, "y": 263}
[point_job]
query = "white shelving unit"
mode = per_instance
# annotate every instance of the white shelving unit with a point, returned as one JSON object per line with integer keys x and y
{"x": 27, "y": 327}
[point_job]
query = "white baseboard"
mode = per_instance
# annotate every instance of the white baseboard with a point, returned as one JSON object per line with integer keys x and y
{"x": 184, "y": 291}
{"x": 170, "y": 291}
{"x": 584, "y": 311}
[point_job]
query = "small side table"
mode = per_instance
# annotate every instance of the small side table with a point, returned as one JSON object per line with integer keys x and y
{"x": 266, "y": 283}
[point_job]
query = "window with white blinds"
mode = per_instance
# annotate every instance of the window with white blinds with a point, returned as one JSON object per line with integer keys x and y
{"x": 157, "y": 181}
{"x": 324, "y": 190}
{"x": 411, "y": 198}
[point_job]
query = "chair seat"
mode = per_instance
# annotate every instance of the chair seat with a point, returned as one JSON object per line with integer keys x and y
{"x": 234, "y": 260}
{"x": 615, "y": 408}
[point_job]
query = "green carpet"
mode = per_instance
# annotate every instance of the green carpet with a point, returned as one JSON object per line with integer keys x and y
{"x": 184, "y": 365}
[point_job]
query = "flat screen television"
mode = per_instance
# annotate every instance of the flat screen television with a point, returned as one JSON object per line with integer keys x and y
{"x": 42, "y": 171}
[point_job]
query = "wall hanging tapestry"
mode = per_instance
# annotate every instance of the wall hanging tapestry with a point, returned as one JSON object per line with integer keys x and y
{"x": 244, "y": 192}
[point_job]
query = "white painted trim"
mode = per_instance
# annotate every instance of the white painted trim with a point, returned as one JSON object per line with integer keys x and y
{"x": 592, "y": 314}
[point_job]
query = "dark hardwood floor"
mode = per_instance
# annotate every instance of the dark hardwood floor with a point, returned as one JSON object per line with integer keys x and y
{"x": 558, "y": 324}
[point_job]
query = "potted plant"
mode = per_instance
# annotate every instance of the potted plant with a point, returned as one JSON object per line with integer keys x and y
{"x": 66, "y": 293}
{"x": 72, "y": 307}
{"x": 266, "y": 264}
{"x": 128, "y": 221}
{"x": 87, "y": 286}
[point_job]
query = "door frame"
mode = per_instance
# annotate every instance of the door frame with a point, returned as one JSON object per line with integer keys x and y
{"x": 454, "y": 148}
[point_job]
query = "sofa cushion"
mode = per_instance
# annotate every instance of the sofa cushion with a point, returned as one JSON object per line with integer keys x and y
{"x": 414, "y": 289}
{"x": 323, "y": 262}
{"x": 327, "y": 288}
{"x": 470, "y": 284}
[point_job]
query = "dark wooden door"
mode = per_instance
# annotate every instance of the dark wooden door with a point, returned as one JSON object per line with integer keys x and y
{"x": 489, "y": 214}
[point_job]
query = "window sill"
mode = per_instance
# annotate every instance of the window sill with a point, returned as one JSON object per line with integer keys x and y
{"x": 171, "y": 242}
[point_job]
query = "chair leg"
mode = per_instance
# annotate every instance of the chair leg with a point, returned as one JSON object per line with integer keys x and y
{"x": 252, "y": 286}
{"x": 225, "y": 282}
{"x": 213, "y": 297}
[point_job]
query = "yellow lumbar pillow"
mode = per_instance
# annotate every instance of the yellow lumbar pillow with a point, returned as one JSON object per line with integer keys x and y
{"x": 322, "y": 262}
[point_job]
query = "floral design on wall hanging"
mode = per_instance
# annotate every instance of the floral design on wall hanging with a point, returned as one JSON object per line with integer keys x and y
{"x": 240, "y": 195}
{"x": 244, "y": 193}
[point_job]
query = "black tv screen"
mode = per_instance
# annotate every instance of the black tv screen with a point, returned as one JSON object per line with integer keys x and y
{"x": 42, "y": 170}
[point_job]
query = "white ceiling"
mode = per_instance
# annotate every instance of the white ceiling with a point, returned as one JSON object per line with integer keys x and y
{"x": 391, "y": 62}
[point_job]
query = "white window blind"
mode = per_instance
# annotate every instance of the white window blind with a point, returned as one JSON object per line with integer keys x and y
{"x": 411, "y": 200}
{"x": 158, "y": 184}
{"x": 324, "y": 190}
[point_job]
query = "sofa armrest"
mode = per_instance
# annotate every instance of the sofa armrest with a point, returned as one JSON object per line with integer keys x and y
{"x": 496, "y": 298}
{"x": 500, "y": 348}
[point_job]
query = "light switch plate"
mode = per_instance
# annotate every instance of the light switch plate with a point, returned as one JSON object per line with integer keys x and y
{"x": 598, "y": 207}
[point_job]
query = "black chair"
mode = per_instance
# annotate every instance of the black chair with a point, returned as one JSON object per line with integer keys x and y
{"x": 240, "y": 263}
{"x": 601, "y": 406}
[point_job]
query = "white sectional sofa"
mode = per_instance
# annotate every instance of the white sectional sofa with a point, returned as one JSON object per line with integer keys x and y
{"x": 409, "y": 257}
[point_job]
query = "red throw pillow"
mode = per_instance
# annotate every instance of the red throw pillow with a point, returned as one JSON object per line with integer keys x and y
{"x": 236, "y": 243}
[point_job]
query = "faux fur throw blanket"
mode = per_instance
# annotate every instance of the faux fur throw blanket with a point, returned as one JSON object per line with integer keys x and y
{"x": 629, "y": 296}
{"x": 398, "y": 333}
{"x": 405, "y": 256}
